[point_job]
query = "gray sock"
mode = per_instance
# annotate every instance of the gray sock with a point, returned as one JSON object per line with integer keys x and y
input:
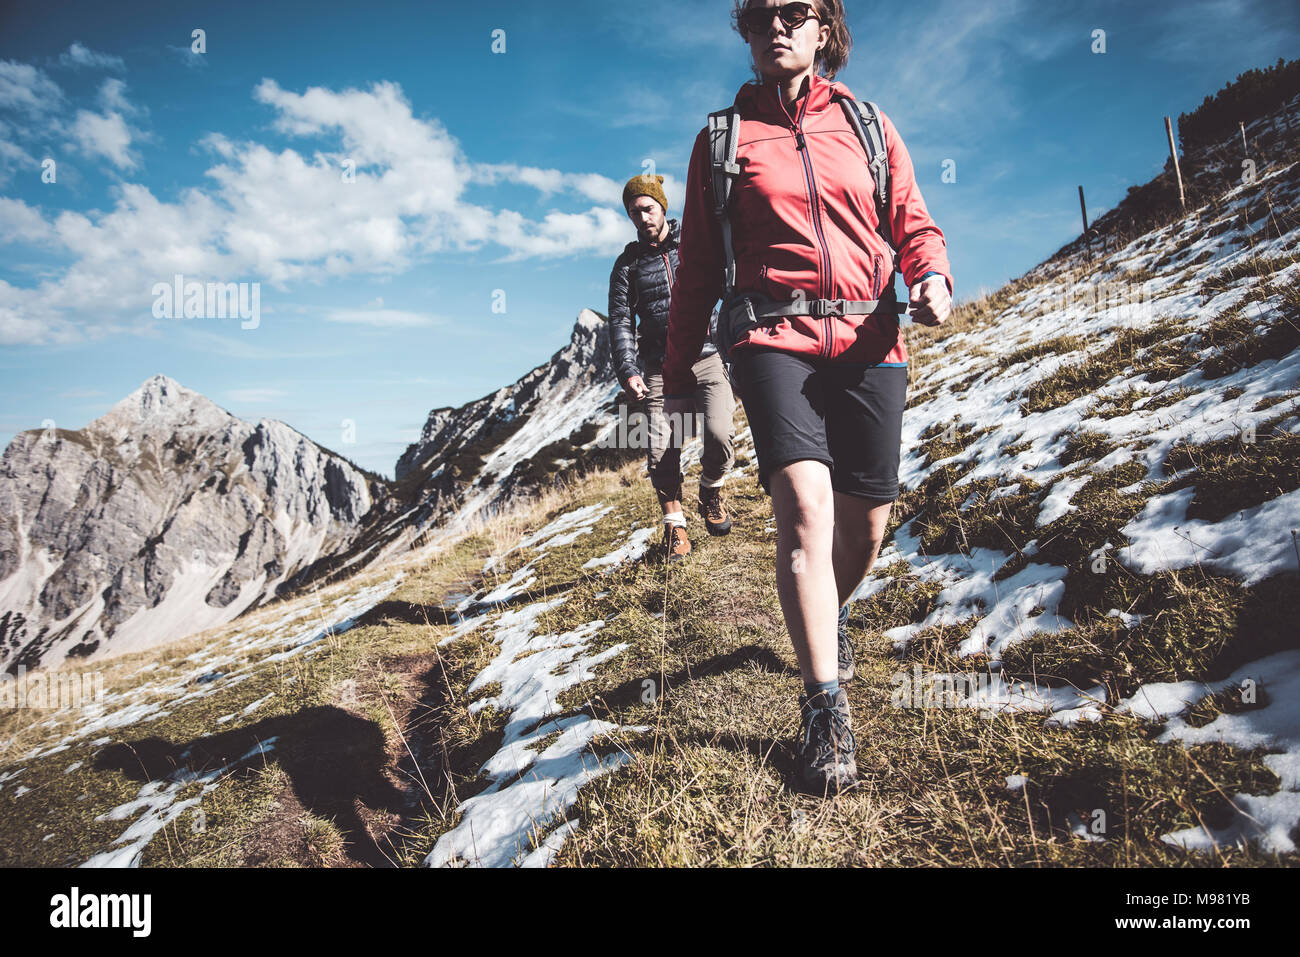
{"x": 829, "y": 688}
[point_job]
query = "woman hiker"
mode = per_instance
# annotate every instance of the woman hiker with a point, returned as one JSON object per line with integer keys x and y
{"x": 822, "y": 370}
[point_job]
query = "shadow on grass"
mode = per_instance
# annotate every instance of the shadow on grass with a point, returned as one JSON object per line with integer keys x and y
{"x": 333, "y": 759}
{"x": 629, "y": 693}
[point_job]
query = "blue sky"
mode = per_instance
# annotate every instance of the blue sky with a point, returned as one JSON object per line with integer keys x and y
{"x": 479, "y": 171}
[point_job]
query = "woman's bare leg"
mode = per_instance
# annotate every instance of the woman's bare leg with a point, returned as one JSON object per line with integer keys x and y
{"x": 859, "y": 530}
{"x": 804, "y": 506}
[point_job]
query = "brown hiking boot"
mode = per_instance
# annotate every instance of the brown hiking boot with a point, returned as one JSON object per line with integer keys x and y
{"x": 716, "y": 519}
{"x": 676, "y": 544}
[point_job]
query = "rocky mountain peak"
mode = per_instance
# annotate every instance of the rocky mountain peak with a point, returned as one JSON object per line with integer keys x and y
{"x": 161, "y": 404}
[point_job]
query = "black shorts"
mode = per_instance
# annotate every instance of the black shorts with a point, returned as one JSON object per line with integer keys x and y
{"x": 846, "y": 414}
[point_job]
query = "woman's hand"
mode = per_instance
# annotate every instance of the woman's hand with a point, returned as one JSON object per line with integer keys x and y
{"x": 930, "y": 302}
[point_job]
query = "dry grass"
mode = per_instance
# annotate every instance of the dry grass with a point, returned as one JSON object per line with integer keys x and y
{"x": 710, "y": 784}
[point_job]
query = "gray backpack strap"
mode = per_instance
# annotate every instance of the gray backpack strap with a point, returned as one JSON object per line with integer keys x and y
{"x": 724, "y": 132}
{"x": 864, "y": 117}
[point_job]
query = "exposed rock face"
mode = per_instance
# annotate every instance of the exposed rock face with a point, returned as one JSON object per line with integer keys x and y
{"x": 438, "y": 432}
{"x": 467, "y": 460}
{"x": 165, "y": 516}
{"x": 584, "y": 362}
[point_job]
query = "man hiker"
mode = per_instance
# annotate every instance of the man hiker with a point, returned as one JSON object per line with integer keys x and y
{"x": 640, "y": 288}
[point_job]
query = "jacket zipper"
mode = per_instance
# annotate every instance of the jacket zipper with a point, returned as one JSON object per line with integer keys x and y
{"x": 810, "y": 180}
{"x": 668, "y": 268}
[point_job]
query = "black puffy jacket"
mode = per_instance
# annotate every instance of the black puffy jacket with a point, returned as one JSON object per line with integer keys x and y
{"x": 639, "y": 290}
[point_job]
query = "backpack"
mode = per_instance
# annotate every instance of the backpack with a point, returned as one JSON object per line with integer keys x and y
{"x": 739, "y": 314}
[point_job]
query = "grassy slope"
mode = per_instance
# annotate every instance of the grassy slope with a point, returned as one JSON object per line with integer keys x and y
{"x": 709, "y": 785}
{"x": 706, "y": 786}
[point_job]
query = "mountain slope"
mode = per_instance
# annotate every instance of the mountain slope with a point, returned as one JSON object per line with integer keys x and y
{"x": 470, "y": 461}
{"x": 165, "y": 516}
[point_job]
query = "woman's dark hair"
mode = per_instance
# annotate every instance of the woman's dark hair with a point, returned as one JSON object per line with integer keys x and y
{"x": 834, "y": 55}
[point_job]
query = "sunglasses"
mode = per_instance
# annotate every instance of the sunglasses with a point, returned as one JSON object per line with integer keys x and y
{"x": 793, "y": 15}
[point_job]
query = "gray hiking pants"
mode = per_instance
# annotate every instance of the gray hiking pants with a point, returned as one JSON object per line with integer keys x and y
{"x": 714, "y": 400}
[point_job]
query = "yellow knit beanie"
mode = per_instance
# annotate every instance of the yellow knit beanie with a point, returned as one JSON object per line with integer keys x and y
{"x": 645, "y": 185}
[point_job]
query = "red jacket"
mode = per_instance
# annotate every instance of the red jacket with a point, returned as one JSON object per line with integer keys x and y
{"x": 801, "y": 219}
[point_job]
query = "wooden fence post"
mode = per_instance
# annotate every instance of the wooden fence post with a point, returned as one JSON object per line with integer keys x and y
{"x": 1173, "y": 152}
{"x": 1087, "y": 241}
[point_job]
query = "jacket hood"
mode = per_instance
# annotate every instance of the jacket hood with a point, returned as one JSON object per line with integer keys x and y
{"x": 755, "y": 100}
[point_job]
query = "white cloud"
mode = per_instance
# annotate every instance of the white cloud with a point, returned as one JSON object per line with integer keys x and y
{"x": 26, "y": 89}
{"x": 106, "y": 135}
{"x": 277, "y": 215}
{"x": 103, "y": 134}
{"x": 20, "y": 223}
{"x": 17, "y": 330}
{"x": 382, "y": 317}
{"x": 187, "y": 56}
{"x": 13, "y": 157}
{"x": 592, "y": 186}
{"x": 558, "y": 234}
{"x": 548, "y": 181}
{"x": 25, "y": 320}
{"x": 112, "y": 96}
{"x": 78, "y": 56}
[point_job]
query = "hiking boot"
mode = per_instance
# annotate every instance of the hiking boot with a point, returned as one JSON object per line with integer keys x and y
{"x": 847, "y": 670}
{"x": 827, "y": 753}
{"x": 676, "y": 544}
{"x": 716, "y": 519}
